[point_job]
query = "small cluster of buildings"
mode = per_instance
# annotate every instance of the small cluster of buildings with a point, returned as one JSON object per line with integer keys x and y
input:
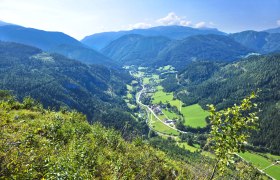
{"x": 157, "y": 110}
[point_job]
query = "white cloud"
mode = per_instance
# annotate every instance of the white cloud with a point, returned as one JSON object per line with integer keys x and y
{"x": 173, "y": 19}
{"x": 278, "y": 22}
{"x": 141, "y": 25}
{"x": 170, "y": 19}
{"x": 201, "y": 24}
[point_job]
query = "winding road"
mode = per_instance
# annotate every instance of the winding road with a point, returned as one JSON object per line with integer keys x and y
{"x": 138, "y": 95}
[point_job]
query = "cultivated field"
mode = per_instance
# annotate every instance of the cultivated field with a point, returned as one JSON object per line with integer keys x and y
{"x": 194, "y": 116}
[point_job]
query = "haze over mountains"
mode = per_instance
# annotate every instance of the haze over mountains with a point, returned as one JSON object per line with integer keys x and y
{"x": 156, "y": 46}
{"x": 101, "y": 40}
{"x": 51, "y": 41}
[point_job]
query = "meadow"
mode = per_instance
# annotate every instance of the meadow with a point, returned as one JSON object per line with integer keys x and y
{"x": 262, "y": 162}
{"x": 195, "y": 116}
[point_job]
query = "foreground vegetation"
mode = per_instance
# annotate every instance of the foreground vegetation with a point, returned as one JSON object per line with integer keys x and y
{"x": 38, "y": 143}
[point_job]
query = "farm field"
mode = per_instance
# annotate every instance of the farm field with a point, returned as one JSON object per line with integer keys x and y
{"x": 170, "y": 115}
{"x": 164, "y": 97}
{"x": 261, "y": 163}
{"x": 194, "y": 116}
{"x": 160, "y": 127}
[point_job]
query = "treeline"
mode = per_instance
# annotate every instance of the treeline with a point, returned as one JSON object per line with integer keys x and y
{"x": 57, "y": 82}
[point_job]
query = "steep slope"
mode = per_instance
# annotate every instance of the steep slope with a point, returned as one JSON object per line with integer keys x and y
{"x": 101, "y": 40}
{"x": 135, "y": 49}
{"x": 262, "y": 42}
{"x": 52, "y": 42}
{"x": 57, "y": 81}
{"x": 201, "y": 47}
{"x": 43, "y": 144}
{"x": 226, "y": 84}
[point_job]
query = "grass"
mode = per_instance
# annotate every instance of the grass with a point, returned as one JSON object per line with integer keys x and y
{"x": 155, "y": 76}
{"x": 129, "y": 87}
{"x": 273, "y": 157}
{"x": 195, "y": 116}
{"x": 164, "y": 97}
{"x": 187, "y": 147}
{"x": 146, "y": 80}
{"x": 261, "y": 163}
{"x": 160, "y": 127}
{"x": 131, "y": 106}
{"x": 170, "y": 115}
{"x": 129, "y": 96}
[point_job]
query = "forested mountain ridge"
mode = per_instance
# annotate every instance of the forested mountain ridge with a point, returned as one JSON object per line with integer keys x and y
{"x": 53, "y": 42}
{"x": 160, "y": 51}
{"x": 135, "y": 49}
{"x": 201, "y": 47}
{"x": 262, "y": 42}
{"x": 225, "y": 84}
{"x": 58, "y": 81}
{"x": 101, "y": 40}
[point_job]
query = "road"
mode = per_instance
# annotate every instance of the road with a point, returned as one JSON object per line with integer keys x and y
{"x": 138, "y": 95}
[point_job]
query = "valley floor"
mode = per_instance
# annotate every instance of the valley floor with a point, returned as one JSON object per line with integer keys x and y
{"x": 162, "y": 110}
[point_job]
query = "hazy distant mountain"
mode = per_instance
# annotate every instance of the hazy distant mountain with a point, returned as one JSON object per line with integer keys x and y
{"x": 262, "y": 42}
{"x": 273, "y": 30}
{"x": 135, "y": 49}
{"x": 52, "y": 41}
{"x": 100, "y": 40}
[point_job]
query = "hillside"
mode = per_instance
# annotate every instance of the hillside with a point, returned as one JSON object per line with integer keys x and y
{"x": 262, "y": 42}
{"x": 135, "y": 49}
{"x": 101, "y": 40}
{"x": 44, "y": 144}
{"x": 226, "y": 84}
{"x": 201, "y": 47}
{"x": 160, "y": 51}
{"x": 53, "y": 42}
{"x": 57, "y": 81}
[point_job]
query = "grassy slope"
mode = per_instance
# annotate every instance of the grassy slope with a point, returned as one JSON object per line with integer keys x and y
{"x": 43, "y": 144}
{"x": 161, "y": 127}
{"x": 195, "y": 116}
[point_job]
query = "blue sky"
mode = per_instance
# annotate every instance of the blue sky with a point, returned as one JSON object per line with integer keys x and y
{"x": 79, "y": 18}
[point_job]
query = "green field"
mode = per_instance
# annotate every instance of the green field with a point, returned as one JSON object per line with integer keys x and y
{"x": 261, "y": 163}
{"x": 187, "y": 147}
{"x": 170, "y": 115}
{"x": 164, "y": 97}
{"x": 160, "y": 127}
{"x": 194, "y": 116}
{"x": 166, "y": 68}
{"x": 129, "y": 87}
{"x": 146, "y": 80}
{"x": 129, "y": 96}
